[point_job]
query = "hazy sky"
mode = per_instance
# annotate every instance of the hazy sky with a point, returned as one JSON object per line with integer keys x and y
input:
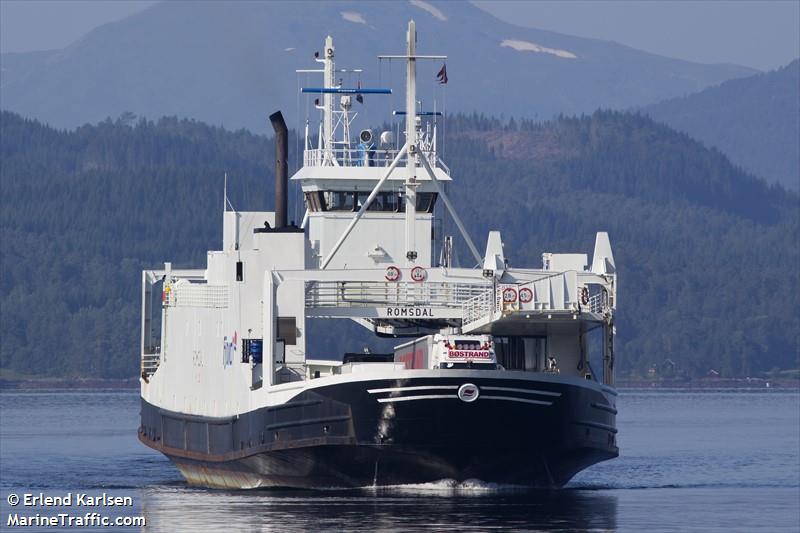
{"x": 759, "y": 34}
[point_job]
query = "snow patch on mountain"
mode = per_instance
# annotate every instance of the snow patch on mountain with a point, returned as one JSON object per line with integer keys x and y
{"x": 353, "y": 16}
{"x": 525, "y": 46}
{"x": 435, "y": 11}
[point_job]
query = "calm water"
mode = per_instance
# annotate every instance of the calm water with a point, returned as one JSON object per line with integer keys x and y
{"x": 691, "y": 461}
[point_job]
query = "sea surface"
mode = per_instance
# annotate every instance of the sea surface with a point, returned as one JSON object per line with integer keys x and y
{"x": 690, "y": 461}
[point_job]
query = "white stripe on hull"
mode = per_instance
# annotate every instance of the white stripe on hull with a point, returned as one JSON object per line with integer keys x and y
{"x": 424, "y": 397}
{"x": 512, "y": 399}
{"x": 403, "y": 389}
{"x": 454, "y": 397}
{"x": 524, "y": 391}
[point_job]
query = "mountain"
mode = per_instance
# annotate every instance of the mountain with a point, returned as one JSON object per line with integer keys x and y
{"x": 755, "y": 121}
{"x": 707, "y": 254}
{"x": 229, "y": 63}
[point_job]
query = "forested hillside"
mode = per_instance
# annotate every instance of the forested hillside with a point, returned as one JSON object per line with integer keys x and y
{"x": 84, "y": 212}
{"x": 707, "y": 255}
{"x": 755, "y": 121}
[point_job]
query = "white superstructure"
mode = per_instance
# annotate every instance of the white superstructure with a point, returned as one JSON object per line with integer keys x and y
{"x": 231, "y": 337}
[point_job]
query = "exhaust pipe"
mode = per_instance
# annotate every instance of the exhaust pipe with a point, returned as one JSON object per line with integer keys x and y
{"x": 281, "y": 168}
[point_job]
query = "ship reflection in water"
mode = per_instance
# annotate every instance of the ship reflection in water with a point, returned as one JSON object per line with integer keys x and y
{"x": 435, "y": 506}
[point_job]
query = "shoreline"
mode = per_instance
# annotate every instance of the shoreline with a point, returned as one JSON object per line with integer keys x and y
{"x": 696, "y": 384}
{"x": 69, "y": 383}
{"x": 711, "y": 383}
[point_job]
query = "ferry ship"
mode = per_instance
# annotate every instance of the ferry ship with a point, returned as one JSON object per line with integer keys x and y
{"x": 491, "y": 375}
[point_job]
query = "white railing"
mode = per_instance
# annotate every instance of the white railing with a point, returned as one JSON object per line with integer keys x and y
{"x": 196, "y": 295}
{"x": 598, "y": 303}
{"x": 541, "y": 296}
{"x": 350, "y": 157}
{"x": 478, "y": 307}
{"x": 377, "y": 293}
{"x": 150, "y": 362}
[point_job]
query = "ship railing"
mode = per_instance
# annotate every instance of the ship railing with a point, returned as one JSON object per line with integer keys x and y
{"x": 350, "y": 157}
{"x": 558, "y": 292}
{"x": 150, "y": 363}
{"x": 598, "y": 303}
{"x": 478, "y": 307}
{"x": 377, "y": 293}
{"x": 186, "y": 294}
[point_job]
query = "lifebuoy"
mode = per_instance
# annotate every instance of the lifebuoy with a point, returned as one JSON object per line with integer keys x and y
{"x": 584, "y": 296}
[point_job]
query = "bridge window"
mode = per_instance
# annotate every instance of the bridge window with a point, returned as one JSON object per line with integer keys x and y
{"x": 338, "y": 200}
{"x": 386, "y": 202}
{"x": 314, "y": 201}
{"x": 426, "y": 202}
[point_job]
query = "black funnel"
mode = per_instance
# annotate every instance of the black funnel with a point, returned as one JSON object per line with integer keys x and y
{"x": 281, "y": 168}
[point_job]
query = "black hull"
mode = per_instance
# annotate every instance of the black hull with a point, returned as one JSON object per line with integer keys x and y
{"x": 519, "y": 431}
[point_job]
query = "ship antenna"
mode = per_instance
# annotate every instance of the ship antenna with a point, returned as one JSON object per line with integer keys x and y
{"x": 416, "y": 156}
{"x": 225, "y": 202}
{"x": 327, "y": 99}
{"x": 411, "y": 139}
